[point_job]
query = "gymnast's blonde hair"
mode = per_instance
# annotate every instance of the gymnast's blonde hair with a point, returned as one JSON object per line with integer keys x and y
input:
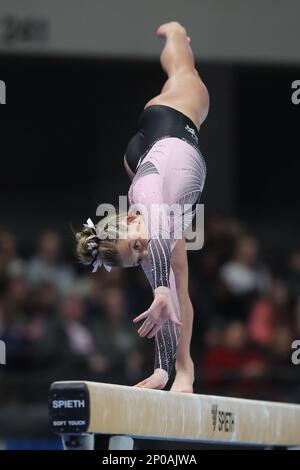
{"x": 96, "y": 244}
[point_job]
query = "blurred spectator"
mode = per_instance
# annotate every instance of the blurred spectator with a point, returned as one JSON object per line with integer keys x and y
{"x": 294, "y": 274}
{"x": 244, "y": 274}
{"x": 283, "y": 373}
{"x": 43, "y": 339}
{"x": 28, "y": 326}
{"x": 232, "y": 366}
{"x": 117, "y": 335}
{"x": 10, "y": 263}
{"x": 13, "y": 318}
{"x": 297, "y": 318}
{"x": 269, "y": 313}
{"x": 95, "y": 296}
{"x": 243, "y": 278}
{"x": 281, "y": 345}
{"x": 220, "y": 235}
{"x": 46, "y": 265}
{"x": 80, "y": 341}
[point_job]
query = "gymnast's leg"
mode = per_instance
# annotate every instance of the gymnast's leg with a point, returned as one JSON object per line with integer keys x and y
{"x": 184, "y": 90}
{"x": 184, "y": 366}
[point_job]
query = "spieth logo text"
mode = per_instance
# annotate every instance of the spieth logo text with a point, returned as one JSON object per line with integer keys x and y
{"x": 68, "y": 404}
{"x": 222, "y": 421}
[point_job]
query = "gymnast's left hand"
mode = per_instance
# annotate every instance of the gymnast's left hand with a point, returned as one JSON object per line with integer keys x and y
{"x": 160, "y": 311}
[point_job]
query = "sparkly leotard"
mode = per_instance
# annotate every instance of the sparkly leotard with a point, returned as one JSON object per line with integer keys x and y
{"x": 169, "y": 178}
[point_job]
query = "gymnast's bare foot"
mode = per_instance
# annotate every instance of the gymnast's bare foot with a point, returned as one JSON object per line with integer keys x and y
{"x": 158, "y": 380}
{"x": 184, "y": 379}
{"x": 173, "y": 26}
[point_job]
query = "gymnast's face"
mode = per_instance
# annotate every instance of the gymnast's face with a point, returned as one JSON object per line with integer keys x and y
{"x": 133, "y": 250}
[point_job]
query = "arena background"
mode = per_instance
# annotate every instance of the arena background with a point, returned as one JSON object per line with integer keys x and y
{"x": 77, "y": 76}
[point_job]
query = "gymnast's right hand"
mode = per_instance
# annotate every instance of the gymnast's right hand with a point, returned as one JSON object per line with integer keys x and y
{"x": 160, "y": 311}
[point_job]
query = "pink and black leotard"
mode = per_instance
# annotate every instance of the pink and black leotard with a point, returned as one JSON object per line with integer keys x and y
{"x": 169, "y": 172}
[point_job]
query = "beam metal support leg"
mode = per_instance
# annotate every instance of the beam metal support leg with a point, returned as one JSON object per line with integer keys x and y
{"x": 120, "y": 443}
{"x": 78, "y": 441}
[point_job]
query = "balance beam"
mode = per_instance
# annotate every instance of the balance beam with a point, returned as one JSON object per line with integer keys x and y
{"x": 87, "y": 408}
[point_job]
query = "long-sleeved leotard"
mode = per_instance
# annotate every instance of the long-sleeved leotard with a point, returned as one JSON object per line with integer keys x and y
{"x": 165, "y": 156}
{"x": 172, "y": 174}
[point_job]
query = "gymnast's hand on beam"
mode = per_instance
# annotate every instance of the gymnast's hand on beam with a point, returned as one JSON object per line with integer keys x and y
{"x": 158, "y": 380}
{"x": 160, "y": 311}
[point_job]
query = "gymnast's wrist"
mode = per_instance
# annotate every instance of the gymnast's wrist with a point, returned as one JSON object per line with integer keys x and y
{"x": 162, "y": 290}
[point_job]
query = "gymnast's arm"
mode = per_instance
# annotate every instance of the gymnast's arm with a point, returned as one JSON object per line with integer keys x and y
{"x": 167, "y": 338}
{"x": 179, "y": 264}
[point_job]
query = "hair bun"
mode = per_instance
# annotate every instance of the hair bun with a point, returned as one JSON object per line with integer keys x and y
{"x": 87, "y": 245}
{"x": 97, "y": 245}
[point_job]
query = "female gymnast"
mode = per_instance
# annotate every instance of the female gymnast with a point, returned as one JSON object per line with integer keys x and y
{"x": 166, "y": 167}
